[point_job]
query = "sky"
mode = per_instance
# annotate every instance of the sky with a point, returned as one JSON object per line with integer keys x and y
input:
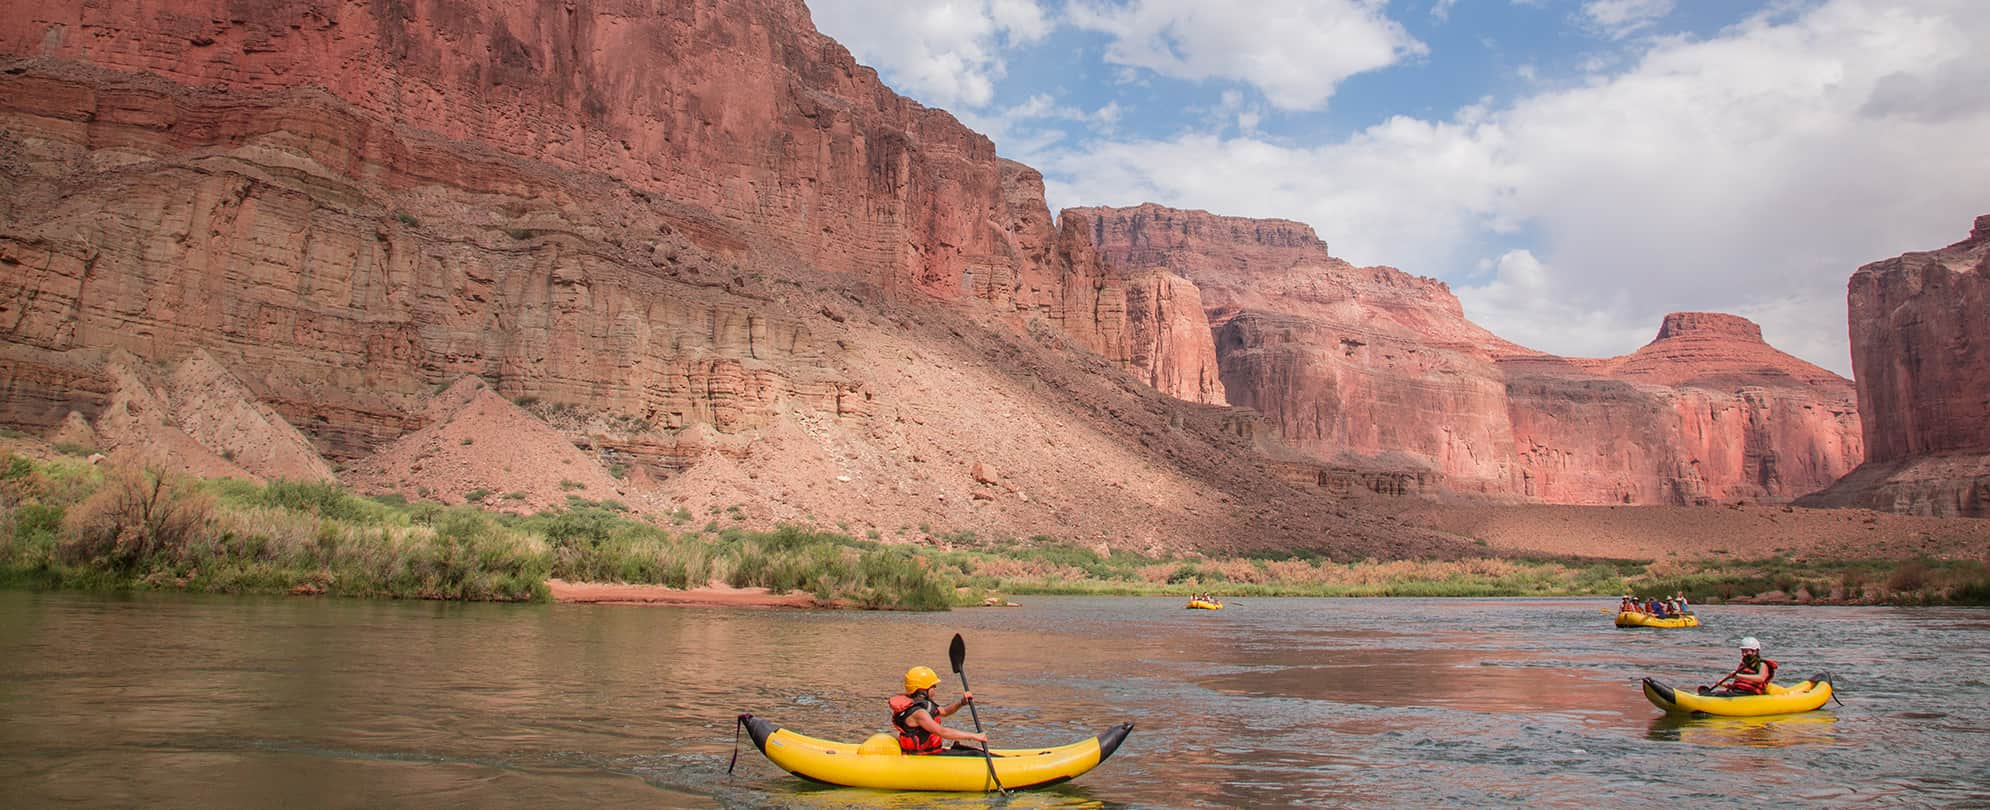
{"x": 1574, "y": 169}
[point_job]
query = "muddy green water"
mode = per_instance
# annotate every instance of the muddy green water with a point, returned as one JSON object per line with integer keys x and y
{"x": 170, "y": 701}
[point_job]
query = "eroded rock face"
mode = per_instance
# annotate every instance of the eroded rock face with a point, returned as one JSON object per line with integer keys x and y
{"x": 694, "y": 237}
{"x": 1372, "y": 369}
{"x": 1706, "y": 411}
{"x": 1920, "y": 328}
{"x": 736, "y": 107}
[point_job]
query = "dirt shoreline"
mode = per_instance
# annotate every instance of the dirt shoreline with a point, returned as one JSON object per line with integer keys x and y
{"x": 715, "y": 595}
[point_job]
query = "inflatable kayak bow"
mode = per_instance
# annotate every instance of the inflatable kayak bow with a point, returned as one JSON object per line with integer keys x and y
{"x": 877, "y": 763}
{"x": 1807, "y": 696}
{"x": 1632, "y": 618}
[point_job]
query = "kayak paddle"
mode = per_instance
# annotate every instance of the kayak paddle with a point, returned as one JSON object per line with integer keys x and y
{"x": 957, "y": 653}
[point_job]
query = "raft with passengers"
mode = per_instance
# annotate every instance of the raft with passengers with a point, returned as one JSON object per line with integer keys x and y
{"x": 1204, "y": 601}
{"x": 1670, "y": 612}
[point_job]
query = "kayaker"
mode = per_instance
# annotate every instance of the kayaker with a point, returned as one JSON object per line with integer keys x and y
{"x": 917, "y": 717}
{"x": 1751, "y": 678}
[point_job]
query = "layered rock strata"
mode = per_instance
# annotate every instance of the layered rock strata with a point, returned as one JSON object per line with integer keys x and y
{"x": 1920, "y": 328}
{"x": 737, "y": 107}
{"x": 696, "y": 236}
{"x": 1373, "y": 364}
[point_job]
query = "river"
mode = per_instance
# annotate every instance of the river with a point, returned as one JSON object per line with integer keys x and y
{"x": 185, "y": 701}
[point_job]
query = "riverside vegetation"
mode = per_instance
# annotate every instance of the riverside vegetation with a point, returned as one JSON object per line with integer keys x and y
{"x": 66, "y": 523}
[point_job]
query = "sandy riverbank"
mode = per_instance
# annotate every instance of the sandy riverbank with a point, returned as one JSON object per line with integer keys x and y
{"x": 719, "y": 595}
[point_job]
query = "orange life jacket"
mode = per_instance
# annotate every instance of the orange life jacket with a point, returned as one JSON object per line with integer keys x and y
{"x": 911, "y": 738}
{"x": 1754, "y": 689}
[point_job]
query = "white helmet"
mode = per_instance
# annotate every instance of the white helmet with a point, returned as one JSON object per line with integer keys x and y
{"x": 1750, "y": 643}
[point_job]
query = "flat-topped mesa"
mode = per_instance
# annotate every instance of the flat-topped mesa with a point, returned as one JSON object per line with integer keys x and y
{"x": 1157, "y": 227}
{"x": 1260, "y": 264}
{"x": 1709, "y": 325}
{"x": 1718, "y": 350}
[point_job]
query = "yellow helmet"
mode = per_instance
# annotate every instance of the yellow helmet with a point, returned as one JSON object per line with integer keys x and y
{"x": 918, "y": 678}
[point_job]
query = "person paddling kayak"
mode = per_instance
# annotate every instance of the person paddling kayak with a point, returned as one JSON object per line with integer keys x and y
{"x": 1751, "y": 678}
{"x": 917, "y": 717}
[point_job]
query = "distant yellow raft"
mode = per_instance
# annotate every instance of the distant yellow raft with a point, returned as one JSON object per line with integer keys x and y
{"x": 1803, "y": 697}
{"x": 1632, "y": 618}
{"x": 878, "y": 763}
{"x": 1197, "y": 604}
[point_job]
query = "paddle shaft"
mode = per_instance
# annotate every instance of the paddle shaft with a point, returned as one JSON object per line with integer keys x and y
{"x": 1724, "y": 679}
{"x": 957, "y": 652}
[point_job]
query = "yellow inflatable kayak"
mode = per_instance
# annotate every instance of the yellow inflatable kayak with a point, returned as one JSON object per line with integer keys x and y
{"x": 877, "y": 763}
{"x": 1632, "y": 618}
{"x": 1197, "y": 604}
{"x": 1807, "y": 696}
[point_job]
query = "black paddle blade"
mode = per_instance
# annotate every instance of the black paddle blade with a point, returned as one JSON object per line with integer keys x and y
{"x": 957, "y": 652}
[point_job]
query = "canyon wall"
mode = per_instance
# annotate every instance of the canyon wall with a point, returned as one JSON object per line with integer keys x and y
{"x": 1920, "y": 327}
{"x": 735, "y": 107}
{"x": 695, "y": 238}
{"x": 351, "y": 202}
{"x": 1376, "y": 368}
{"x": 674, "y": 212}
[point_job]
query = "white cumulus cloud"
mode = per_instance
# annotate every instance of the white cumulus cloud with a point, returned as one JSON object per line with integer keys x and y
{"x": 942, "y": 52}
{"x": 1295, "y": 52}
{"x": 1620, "y": 18}
{"x": 1751, "y": 172}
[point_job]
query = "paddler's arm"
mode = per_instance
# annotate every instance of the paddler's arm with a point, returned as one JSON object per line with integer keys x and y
{"x": 965, "y": 697}
{"x": 926, "y": 721}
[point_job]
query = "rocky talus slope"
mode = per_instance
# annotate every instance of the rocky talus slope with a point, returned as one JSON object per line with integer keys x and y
{"x": 1921, "y": 352}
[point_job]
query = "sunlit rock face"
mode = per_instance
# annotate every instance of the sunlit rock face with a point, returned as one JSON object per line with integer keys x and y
{"x": 695, "y": 237}
{"x": 1920, "y": 327}
{"x": 351, "y": 202}
{"x": 607, "y": 205}
{"x": 1380, "y": 370}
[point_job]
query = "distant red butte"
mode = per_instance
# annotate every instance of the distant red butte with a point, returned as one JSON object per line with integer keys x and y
{"x": 1373, "y": 368}
{"x": 1920, "y": 327}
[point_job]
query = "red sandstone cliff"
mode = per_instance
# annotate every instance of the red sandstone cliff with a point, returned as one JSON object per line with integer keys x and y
{"x": 709, "y": 244}
{"x": 737, "y": 107}
{"x": 694, "y": 237}
{"x": 1706, "y": 411}
{"x": 1370, "y": 367}
{"x": 1920, "y": 326}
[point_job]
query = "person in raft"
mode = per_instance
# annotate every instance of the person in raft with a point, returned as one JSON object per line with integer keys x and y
{"x": 917, "y": 718}
{"x": 1751, "y": 678}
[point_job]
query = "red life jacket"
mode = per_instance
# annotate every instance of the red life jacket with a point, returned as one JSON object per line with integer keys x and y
{"x": 1752, "y": 689}
{"x": 911, "y": 738}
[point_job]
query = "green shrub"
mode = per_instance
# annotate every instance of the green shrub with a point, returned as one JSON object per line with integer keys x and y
{"x": 137, "y": 518}
{"x": 17, "y": 467}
